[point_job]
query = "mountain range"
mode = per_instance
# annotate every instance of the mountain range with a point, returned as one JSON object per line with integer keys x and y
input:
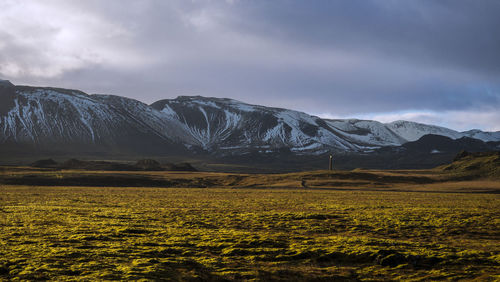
{"x": 46, "y": 120}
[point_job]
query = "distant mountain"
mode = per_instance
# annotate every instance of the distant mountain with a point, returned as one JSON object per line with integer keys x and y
{"x": 54, "y": 120}
{"x": 437, "y": 144}
{"x": 481, "y": 135}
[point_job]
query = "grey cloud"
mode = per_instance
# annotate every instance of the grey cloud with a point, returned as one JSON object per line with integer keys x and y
{"x": 458, "y": 33}
{"x": 338, "y": 57}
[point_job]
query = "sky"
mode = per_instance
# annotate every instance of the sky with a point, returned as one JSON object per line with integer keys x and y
{"x": 427, "y": 61}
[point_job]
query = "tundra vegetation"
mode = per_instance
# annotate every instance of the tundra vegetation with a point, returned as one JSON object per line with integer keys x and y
{"x": 412, "y": 225}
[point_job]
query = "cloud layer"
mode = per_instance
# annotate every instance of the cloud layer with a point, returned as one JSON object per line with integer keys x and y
{"x": 380, "y": 59}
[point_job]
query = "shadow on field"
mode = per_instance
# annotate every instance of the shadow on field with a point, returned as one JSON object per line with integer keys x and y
{"x": 466, "y": 167}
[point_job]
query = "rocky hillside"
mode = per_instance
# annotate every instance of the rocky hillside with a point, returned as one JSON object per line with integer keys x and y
{"x": 69, "y": 121}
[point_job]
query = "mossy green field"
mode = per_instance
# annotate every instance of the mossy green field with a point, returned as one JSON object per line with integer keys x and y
{"x": 109, "y": 233}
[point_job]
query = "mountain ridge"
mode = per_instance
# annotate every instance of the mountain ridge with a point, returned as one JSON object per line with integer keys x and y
{"x": 48, "y": 117}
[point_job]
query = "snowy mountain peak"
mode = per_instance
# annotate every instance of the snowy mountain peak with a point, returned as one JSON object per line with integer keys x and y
{"x": 472, "y": 131}
{"x": 485, "y": 136}
{"x": 54, "y": 117}
{"x": 412, "y": 131}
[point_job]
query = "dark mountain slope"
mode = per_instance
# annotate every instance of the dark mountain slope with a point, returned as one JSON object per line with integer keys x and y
{"x": 37, "y": 122}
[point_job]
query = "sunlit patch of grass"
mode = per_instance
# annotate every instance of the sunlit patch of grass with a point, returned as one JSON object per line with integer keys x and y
{"x": 58, "y": 233}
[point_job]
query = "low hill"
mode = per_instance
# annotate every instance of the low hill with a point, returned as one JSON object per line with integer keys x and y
{"x": 433, "y": 143}
{"x": 140, "y": 165}
{"x": 475, "y": 165}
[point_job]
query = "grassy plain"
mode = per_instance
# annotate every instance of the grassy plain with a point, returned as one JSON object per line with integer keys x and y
{"x": 107, "y": 233}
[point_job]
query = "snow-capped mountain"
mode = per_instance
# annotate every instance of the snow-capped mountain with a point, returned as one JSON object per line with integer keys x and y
{"x": 481, "y": 135}
{"x": 227, "y": 125}
{"x": 70, "y": 119}
{"x": 412, "y": 131}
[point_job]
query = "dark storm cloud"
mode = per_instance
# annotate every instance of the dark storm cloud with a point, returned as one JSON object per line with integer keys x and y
{"x": 456, "y": 33}
{"x": 337, "y": 58}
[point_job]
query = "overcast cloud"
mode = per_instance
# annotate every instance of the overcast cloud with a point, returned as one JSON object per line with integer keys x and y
{"x": 428, "y": 61}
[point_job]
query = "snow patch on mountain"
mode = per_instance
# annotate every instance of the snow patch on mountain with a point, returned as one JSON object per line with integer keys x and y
{"x": 44, "y": 113}
{"x": 206, "y": 103}
{"x": 365, "y": 132}
{"x": 412, "y": 131}
{"x": 485, "y": 136}
{"x": 244, "y": 107}
{"x": 38, "y": 115}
